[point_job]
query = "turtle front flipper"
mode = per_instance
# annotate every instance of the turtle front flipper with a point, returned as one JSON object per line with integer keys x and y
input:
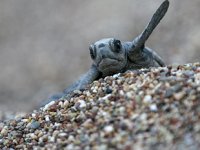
{"x": 139, "y": 42}
{"x": 80, "y": 84}
{"x": 54, "y": 97}
{"x": 87, "y": 78}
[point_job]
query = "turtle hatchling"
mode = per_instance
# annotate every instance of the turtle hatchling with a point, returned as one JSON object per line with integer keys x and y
{"x": 111, "y": 56}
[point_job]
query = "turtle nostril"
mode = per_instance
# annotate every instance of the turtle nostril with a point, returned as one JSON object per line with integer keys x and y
{"x": 103, "y": 56}
{"x": 104, "y": 53}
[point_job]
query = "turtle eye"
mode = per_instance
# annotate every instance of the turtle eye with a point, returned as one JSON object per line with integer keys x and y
{"x": 92, "y": 52}
{"x": 116, "y": 45}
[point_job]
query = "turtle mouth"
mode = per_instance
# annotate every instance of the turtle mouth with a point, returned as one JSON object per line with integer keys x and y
{"x": 108, "y": 61}
{"x": 109, "y": 64}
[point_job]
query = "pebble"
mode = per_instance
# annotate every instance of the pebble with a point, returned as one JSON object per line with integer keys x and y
{"x": 108, "y": 90}
{"x": 33, "y": 125}
{"x": 148, "y": 99}
{"x": 153, "y": 107}
{"x": 4, "y": 131}
{"x": 82, "y": 104}
{"x": 143, "y": 117}
{"x": 62, "y": 134}
{"x": 179, "y": 96}
{"x": 108, "y": 129}
{"x": 48, "y": 105}
{"x": 47, "y": 118}
{"x": 156, "y": 108}
{"x": 61, "y": 104}
{"x": 66, "y": 104}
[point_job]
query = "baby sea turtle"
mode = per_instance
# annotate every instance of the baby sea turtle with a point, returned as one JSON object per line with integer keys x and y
{"x": 111, "y": 56}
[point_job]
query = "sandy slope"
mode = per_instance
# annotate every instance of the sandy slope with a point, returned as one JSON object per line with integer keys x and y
{"x": 157, "y": 108}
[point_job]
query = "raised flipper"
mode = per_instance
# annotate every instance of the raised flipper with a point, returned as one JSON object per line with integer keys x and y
{"x": 139, "y": 42}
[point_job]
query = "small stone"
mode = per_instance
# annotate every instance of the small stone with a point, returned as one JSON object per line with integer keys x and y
{"x": 169, "y": 93}
{"x": 95, "y": 89}
{"x": 179, "y": 96}
{"x": 121, "y": 92}
{"x": 103, "y": 147}
{"x": 148, "y": 99}
{"x": 122, "y": 110}
{"x": 44, "y": 138}
{"x": 87, "y": 124}
{"x": 34, "y": 125}
{"x": 20, "y": 147}
{"x": 52, "y": 139}
{"x": 143, "y": 116}
{"x": 4, "y": 131}
{"x": 33, "y": 115}
{"x": 116, "y": 75}
{"x": 108, "y": 90}
{"x": 47, "y": 118}
{"x": 1, "y": 141}
{"x": 188, "y": 73}
{"x": 95, "y": 109}
{"x": 198, "y": 89}
{"x": 82, "y": 104}
{"x": 61, "y": 104}
{"x": 77, "y": 92}
{"x": 33, "y": 136}
{"x": 48, "y": 105}
{"x": 153, "y": 107}
{"x": 108, "y": 129}
{"x": 62, "y": 134}
{"x": 129, "y": 94}
{"x": 66, "y": 103}
{"x": 71, "y": 138}
{"x": 70, "y": 147}
{"x": 55, "y": 133}
{"x": 80, "y": 118}
{"x": 123, "y": 126}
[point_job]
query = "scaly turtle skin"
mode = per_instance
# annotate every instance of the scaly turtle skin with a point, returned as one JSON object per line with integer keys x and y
{"x": 111, "y": 56}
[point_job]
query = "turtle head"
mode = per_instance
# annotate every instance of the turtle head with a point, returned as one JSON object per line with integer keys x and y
{"x": 108, "y": 55}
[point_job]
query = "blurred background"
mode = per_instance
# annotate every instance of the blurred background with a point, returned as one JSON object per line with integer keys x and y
{"x": 44, "y": 44}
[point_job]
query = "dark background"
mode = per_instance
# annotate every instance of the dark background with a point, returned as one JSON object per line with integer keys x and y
{"x": 44, "y": 43}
